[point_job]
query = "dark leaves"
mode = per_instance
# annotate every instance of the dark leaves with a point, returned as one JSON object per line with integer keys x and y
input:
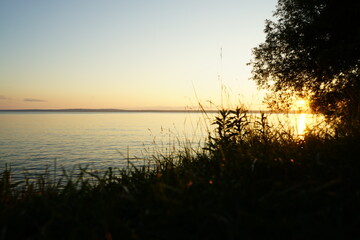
{"x": 313, "y": 46}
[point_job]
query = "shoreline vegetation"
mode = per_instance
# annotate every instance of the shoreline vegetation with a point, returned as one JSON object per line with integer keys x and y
{"x": 250, "y": 181}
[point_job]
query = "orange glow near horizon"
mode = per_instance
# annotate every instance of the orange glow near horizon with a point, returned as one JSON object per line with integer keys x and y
{"x": 302, "y": 105}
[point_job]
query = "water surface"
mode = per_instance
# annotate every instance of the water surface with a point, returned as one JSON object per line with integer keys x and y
{"x": 35, "y": 140}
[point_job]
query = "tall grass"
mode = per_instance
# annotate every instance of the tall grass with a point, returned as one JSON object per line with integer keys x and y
{"x": 250, "y": 181}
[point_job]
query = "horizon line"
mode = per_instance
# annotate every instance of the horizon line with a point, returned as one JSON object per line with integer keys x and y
{"x": 142, "y": 110}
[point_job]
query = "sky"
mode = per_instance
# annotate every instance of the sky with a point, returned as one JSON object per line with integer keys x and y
{"x": 138, "y": 54}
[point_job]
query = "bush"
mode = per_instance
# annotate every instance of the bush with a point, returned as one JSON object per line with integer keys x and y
{"x": 251, "y": 180}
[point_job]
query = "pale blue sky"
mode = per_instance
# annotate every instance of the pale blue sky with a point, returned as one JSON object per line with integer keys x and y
{"x": 128, "y": 54}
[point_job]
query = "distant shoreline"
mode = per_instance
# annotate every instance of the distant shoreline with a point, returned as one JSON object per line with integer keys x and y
{"x": 85, "y": 110}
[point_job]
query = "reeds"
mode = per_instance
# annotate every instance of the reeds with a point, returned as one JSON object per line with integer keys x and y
{"x": 251, "y": 180}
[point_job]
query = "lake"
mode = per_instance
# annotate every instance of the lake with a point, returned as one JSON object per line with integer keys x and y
{"x": 33, "y": 141}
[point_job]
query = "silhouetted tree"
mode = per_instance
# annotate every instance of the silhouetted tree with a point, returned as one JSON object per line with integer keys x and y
{"x": 312, "y": 48}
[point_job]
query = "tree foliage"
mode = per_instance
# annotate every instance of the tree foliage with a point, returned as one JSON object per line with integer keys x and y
{"x": 312, "y": 48}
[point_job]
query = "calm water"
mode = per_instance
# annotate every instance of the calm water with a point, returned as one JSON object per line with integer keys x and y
{"x": 33, "y": 141}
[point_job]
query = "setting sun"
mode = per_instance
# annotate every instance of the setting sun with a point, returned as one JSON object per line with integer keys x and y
{"x": 179, "y": 119}
{"x": 302, "y": 105}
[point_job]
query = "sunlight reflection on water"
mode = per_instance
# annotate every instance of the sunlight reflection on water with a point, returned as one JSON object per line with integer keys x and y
{"x": 301, "y": 125}
{"x": 297, "y": 124}
{"x": 34, "y": 141}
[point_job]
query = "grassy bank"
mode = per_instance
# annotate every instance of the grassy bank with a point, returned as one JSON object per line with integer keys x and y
{"x": 251, "y": 181}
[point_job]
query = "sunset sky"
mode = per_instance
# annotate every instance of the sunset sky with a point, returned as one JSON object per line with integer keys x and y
{"x": 138, "y": 54}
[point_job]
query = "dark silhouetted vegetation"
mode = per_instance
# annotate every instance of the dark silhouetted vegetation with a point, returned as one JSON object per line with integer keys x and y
{"x": 251, "y": 181}
{"x": 312, "y": 48}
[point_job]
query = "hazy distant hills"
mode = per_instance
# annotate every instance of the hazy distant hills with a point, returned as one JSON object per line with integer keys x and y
{"x": 100, "y": 110}
{"x": 105, "y": 110}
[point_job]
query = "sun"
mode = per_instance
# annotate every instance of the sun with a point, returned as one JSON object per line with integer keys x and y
{"x": 302, "y": 102}
{"x": 302, "y": 105}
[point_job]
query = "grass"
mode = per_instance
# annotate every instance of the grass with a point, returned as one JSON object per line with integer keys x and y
{"x": 251, "y": 181}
